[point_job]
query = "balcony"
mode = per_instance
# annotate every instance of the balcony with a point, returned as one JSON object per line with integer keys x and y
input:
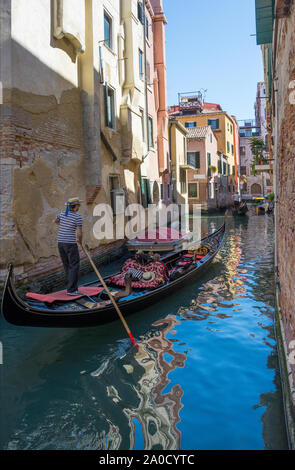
{"x": 263, "y": 168}
{"x": 249, "y": 133}
{"x": 186, "y": 166}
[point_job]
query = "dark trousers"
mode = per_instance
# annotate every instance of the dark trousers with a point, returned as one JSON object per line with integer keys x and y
{"x": 70, "y": 257}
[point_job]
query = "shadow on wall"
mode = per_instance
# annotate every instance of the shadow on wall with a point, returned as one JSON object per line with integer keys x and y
{"x": 42, "y": 139}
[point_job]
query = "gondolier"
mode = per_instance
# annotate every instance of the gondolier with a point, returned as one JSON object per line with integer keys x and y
{"x": 70, "y": 232}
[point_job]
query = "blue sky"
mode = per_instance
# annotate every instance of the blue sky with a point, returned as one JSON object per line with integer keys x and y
{"x": 209, "y": 45}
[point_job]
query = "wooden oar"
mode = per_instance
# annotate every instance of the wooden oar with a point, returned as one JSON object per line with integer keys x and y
{"x": 85, "y": 249}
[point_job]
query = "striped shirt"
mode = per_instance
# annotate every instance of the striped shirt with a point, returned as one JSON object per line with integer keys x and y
{"x": 67, "y": 226}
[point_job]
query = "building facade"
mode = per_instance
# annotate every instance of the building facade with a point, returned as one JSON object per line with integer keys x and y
{"x": 193, "y": 113}
{"x": 202, "y": 156}
{"x": 179, "y": 163}
{"x": 275, "y": 26}
{"x": 260, "y": 183}
{"x": 83, "y": 114}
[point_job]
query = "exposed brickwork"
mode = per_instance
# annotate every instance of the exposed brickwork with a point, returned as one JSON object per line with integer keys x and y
{"x": 49, "y": 275}
{"x": 31, "y": 123}
{"x": 286, "y": 219}
{"x": 285, "y": 65}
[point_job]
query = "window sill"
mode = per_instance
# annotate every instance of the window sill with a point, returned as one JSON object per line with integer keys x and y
{"x": 110, "y": 49}
{"x": 112, "y": 129}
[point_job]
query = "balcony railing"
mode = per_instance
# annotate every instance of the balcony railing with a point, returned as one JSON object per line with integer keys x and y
{"x": 249, "y": 133}
{"x": 264, "y": 167}
{"x": 247, "y": 123}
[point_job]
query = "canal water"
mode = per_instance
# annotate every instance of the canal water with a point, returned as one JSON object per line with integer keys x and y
{"x": 206, "y": 375}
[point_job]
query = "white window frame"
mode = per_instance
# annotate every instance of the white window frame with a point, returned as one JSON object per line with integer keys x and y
{"x": 110, "y": 18}
{"x": 198, "y": 189}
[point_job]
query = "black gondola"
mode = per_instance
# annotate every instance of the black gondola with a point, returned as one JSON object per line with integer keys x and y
{"x": 72, "y": 315}
{"x": 242, "y": 209}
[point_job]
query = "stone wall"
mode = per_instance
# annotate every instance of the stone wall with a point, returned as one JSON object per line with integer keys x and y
{"x": 284, "y": 65}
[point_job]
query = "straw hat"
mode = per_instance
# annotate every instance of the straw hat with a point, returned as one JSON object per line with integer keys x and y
{"x": 148, "y": 276}
{"x": 73, "y": 201}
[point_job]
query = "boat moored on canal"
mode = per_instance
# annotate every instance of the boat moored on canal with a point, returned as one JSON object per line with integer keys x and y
{"x": 161, "y": 239}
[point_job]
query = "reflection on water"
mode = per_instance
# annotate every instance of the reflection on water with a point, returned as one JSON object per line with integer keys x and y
{"x": 205, "y": 376}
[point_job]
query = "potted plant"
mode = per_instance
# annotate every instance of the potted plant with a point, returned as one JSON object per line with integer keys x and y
{"x": 270, "y": 197}
{"x": 213, "y": 168}
{"x": 257, "y": 148}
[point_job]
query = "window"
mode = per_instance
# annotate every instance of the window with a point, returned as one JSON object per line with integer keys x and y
{"x": 109, "y": 107}
{"x": 214, "y": 123}
{"x": 151, "y": 133}
{"x": 242, "y": 151}
{"x": 146, "y": 195}
{"x": 184, "y": 149}
{"x": 228, "y": 169}
{"x": 220, "y": 167}
{"x": 140, "y": 53}
{"x": 193, "y": 159}
{"x": 142, "y": 124}
{"x": 211, "y": 138}
{"x": 243, "y": 170}
{"x": 228, "y": 146}
{"x": 209, "y": 163}
{"x": 232, "y": 149}
{"x": 182, "y": 179}
{"x": 140, "y": 12}
{"x": 146, "y": 28}
{"x": 114, "y": 184}
{"x": 148, "y": 73}
{"x": 233, "y": 170}
{"x": 193, "y": 190}
{"x": 107, "y": 30}
{"x": 224, "y": 168}
{"x": 190, "y": 124}
{"x": 211, "y": 190}
{"x": 231, "y": 129}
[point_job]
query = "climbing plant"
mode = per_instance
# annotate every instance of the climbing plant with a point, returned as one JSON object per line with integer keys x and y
{"x": 257, "y": 148}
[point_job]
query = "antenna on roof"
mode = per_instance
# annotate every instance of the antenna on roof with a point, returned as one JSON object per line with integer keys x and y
{"x": 203, "y": 94}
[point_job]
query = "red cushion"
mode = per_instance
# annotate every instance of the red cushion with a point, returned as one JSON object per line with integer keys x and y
{"x": 62, "y": 296}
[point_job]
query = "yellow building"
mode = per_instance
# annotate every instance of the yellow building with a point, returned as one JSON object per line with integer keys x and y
{"x": 192, "y": 112}
{"x": 223, "y": 128}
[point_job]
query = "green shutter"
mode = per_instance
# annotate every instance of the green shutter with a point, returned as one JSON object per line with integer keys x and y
{"x": 217, "y": 123}
{"x": 106, "y": 104}
{"x": 143, "y": 192}
{"x": 219, "y": 167}
{"x": 148, "y": 191}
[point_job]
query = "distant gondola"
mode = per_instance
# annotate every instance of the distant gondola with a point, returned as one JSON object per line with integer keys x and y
{"x": 72, "y": 314}
{"x": 242, "y": 209}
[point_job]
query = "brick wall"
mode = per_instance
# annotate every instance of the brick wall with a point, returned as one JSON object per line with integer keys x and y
{"x": 285, "y": 119}
{"x": 49, "y": 276}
